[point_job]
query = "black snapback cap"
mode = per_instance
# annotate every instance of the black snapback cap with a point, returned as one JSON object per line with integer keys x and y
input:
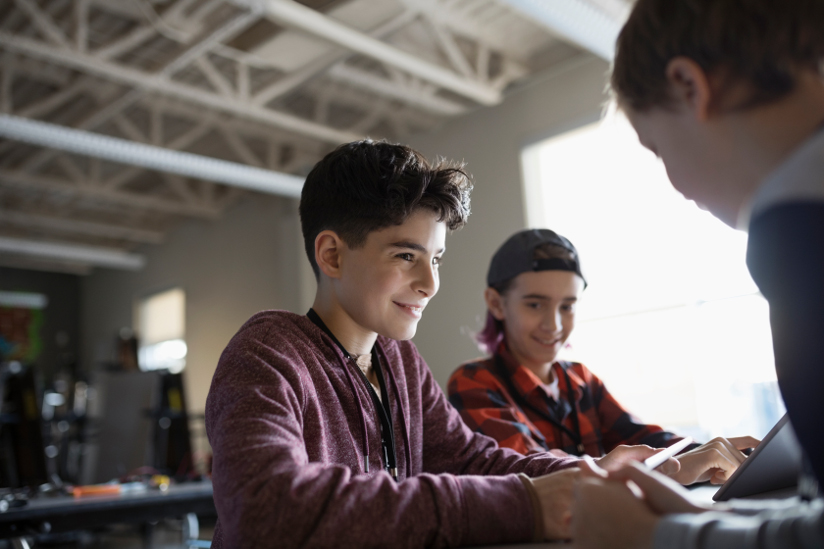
{"x": 515, "y": 256}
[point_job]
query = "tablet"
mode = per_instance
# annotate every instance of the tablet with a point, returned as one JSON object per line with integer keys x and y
{"x": 773, "y": 465}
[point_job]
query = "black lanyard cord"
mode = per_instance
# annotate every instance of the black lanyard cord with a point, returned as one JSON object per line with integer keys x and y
{"x": 382, "y": 410}
{"x": 384, "y": 414}
{"x": 574, "y": 434}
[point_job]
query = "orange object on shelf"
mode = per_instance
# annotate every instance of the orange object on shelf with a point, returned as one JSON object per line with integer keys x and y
{"x": 96, "y": 490}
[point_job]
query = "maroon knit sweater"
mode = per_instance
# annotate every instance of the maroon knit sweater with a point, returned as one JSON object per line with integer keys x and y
{"x": 288, "y": 441}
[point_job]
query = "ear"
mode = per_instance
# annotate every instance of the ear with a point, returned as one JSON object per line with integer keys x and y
{"x": 328, "y": 247}
{"x": 689, "y": 86}
{"x": 494, "y": 302}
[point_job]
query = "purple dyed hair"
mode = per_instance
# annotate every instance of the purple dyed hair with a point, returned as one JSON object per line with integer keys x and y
{"x": 491, "y": 336}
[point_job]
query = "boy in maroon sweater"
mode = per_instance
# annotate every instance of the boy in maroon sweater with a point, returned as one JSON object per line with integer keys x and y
{"x": 329, "y": 429}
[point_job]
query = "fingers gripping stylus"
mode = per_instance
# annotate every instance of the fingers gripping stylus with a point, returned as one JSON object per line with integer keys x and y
{"x": 654, "y": 461}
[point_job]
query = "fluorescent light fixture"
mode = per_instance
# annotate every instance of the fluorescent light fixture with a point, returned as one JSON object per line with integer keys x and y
{"x": 23, "y": 300}
{"x": 97, "y": 256}
{"x": 149, "y": 156}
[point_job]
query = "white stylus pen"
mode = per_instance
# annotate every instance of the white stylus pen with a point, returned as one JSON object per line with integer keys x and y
{"x": 654, "y": 461}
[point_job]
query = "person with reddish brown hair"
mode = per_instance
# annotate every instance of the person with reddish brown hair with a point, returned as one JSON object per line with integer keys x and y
{"x": 730, "y": 95}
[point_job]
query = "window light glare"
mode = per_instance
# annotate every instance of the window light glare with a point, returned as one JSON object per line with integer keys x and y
{"x": 166, "y": 355}
{"x": 671, "y": 320}
{"x": 161, "y": 321}
{"x": 174, "y": 349}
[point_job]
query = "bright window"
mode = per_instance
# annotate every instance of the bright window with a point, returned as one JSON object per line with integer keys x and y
{"x": 161, "y": 321}
{"x": 671, "y": 320}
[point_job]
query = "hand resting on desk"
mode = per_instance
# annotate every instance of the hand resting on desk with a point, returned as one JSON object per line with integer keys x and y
{"x": 555, "y": 491}
{"x": 714, "y": 461}
{"x": 620, "y": 509}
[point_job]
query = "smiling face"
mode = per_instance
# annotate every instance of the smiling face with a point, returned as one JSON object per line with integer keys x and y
{"x": 538, "y": 312}
{"x": 385, "y": 284}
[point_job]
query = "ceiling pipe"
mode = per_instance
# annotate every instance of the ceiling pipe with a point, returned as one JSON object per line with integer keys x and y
{"x": 593, "y": 25}
{"x": 99, "y": 257}
{"x": 297, "y": 16}
{"x": 149, "y": 156}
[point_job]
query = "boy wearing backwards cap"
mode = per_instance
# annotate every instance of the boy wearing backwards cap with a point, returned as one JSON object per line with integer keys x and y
{"x": 329, "y": 429}
{"x": 730, "y": 96}
{"x": 526, "y": 399}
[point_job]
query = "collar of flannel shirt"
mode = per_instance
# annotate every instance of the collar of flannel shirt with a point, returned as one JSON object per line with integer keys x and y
{"x": 530, "y": 384}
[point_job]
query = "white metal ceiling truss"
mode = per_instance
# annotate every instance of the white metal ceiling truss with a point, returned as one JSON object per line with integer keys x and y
{"x": 269, "y": 84}
{"x": 593, "y": 24}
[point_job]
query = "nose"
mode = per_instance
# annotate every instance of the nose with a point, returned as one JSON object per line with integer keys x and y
{"x": 428, "y": 281}
{"x": 552, "y": 320}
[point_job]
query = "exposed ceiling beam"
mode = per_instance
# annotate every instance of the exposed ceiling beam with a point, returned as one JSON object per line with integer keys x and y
{"x": 97, "y": 117}
{"x": 315, "y": 23}
{"x": 43, "y": 22}
{"x": 422, "y": 98}
{"x": 585, "y": 23}
{"x": 216, "y": 36}
{"x": 297, "y": 78}
{"x": 95, "y": 192}
{"x": 80, "y": 227}
{"x": 55, "y": 100}
{"x": 100, "y": 257}
{"x": 161, "y": 84}
{"x": 149, "y": 156}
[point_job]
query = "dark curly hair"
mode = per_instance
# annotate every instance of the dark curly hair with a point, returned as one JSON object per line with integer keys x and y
{"x": 368, "y": 185}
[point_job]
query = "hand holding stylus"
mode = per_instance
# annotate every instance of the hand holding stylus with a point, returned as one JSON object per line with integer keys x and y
{"x": 666, "y": 453}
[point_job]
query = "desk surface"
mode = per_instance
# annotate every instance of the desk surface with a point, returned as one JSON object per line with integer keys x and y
{"x": 701, "y": 494}
{"x": 66, "y": 513}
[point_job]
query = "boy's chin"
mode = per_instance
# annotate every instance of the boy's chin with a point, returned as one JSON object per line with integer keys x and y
{"x": 400, "y": 333}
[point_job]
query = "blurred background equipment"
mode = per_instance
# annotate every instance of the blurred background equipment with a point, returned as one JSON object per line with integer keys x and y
{"x": 120, "y": 428}
{"x": 22, "y": 458}
{"x": 137, "y": 424}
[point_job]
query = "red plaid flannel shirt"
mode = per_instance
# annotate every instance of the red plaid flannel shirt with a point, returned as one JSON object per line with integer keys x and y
{"x": 478, "y": 393}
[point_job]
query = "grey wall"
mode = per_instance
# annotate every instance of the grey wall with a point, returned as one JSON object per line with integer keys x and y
{"x": 229, "y": 269}
{"x": 490, "y": 141}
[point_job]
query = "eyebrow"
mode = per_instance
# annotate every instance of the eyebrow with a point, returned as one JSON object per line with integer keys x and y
{"x": 407, "y": 245}
{"x": 547, "y": 298}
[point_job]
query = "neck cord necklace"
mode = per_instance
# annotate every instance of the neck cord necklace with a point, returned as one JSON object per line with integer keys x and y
{"x": 381, "y": 405}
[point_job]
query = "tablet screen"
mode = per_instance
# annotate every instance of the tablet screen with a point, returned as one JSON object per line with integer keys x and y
{"x": 773, "y": 465}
